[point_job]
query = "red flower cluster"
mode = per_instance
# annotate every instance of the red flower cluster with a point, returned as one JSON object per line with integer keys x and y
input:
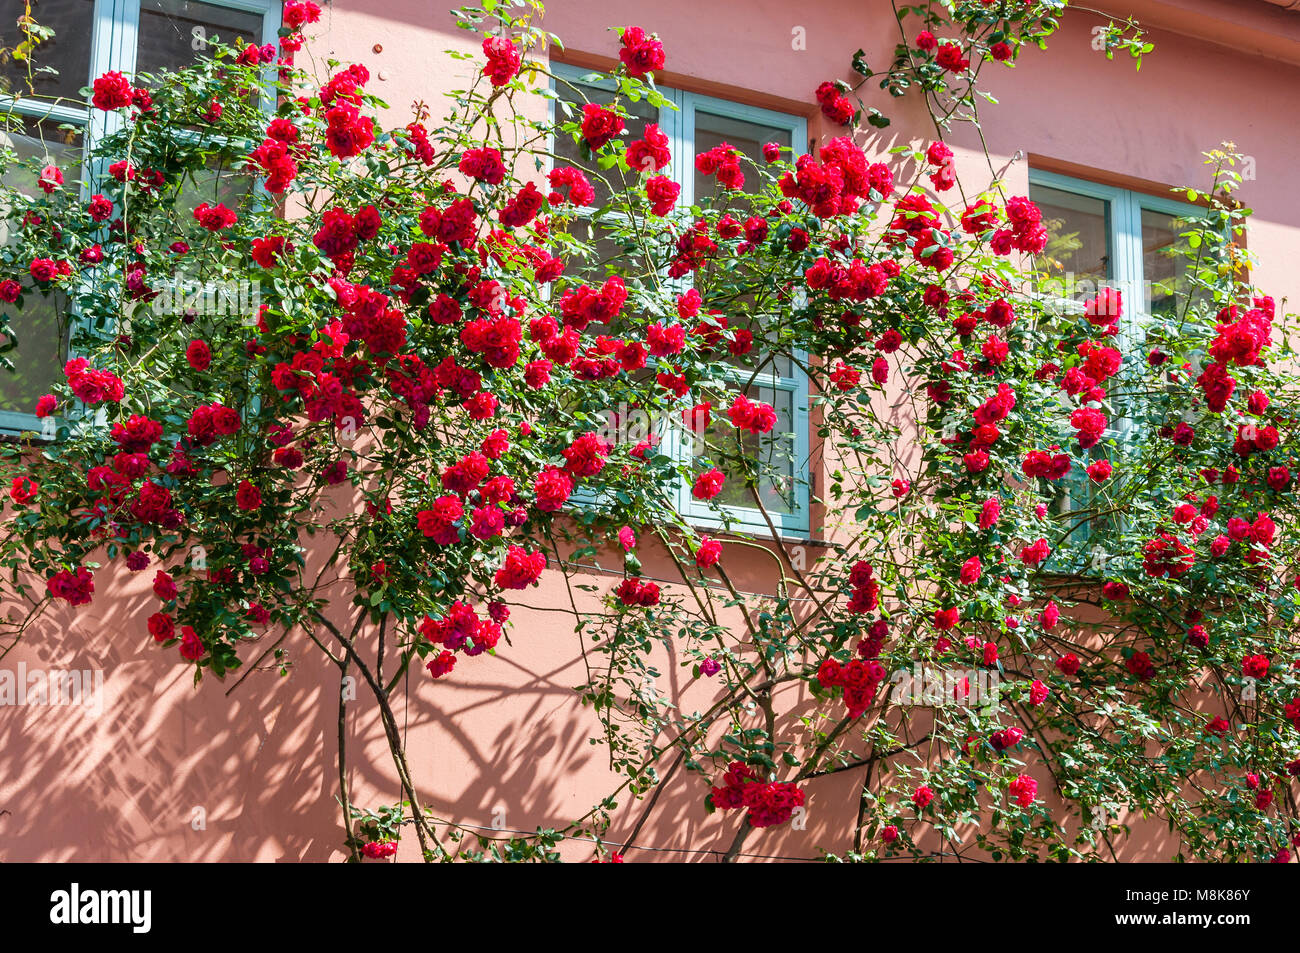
{"x": 75, "y": 588}
{"x": 484, "y": 164}
{"x": 379, "y": 850}
{"x": 1026, "y": 234}
{"x": 944, "y": 177}
{"x": 276, "y": 156}
{"x": 460, "y": 630}
{"x": 586, "y": 456}
{"x": 93, "y": 386}
{"x": 298, "y": 13}
{"x": 210, "y": 422}
{"x": 1024, "y": 789}
{"x": 835, "y": 106}
{"x": 503, "y": 60}
{"x": 649, "y": 154}
{"x": 767, "y": 803}
{"x": 1090, "y": 425}
{"x": 1166, "y": 555}
{"x": 521, "y": 568}
{"x": 838, "y": 180}
{"x": 580, "y": 189}
{"x": 750, "y": 415}
{"x": 635, "y": 592}
{"x": 599, "y": 125}
{"x": 214, "y": 217}
{"x": 722, "y": 161}
{"x": 858, "y": 678}
{"x": 641, "y": 52}
{"x": 708, "y": 484}
{"x": 866, "y": 590}
{"x": 1040, "y": 463}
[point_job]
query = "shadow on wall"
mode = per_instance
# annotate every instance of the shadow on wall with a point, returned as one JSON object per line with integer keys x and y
{"x": 143, "y": 765}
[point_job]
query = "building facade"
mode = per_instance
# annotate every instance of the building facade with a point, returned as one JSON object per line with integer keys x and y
{"x": 148, "y": 767}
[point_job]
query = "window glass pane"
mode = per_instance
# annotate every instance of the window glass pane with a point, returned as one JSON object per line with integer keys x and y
{"x": 39, "y": 326}
{"x": 1163, "y": 266}
{"x": 67, "y": 52}
{"x": 173, "y": 33}
{"x": 773, "y": 450}
{"x": 568, "y": 152}
{"x": 1077, "y": 259}
{"x": 214, "y": 185}
{"x": 609, "y": 254}
{"x": 1078, "y": 242}
{"x": 745, "y": 137}
{"x": 766, "y": 363}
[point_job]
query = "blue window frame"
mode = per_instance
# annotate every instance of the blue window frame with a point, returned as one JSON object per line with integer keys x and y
{"x": 1104, "y": 236}
{"x": 694, "y": 123}
{"x": 92, "y": 37}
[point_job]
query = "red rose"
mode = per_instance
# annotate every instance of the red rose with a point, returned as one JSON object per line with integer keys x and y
{"x": 708, "y": 484}
{"x": 247, "y": 496}
{"x": 1068, "y": 664}
{"x": 520, "y": 569}
{"x": 438, "y": 523}
{"x": 708, "y": 553}
{"x": 199, "y": 355}
{"x": 438, "y": 667}
{"x": 112, "y": 91}
{"x": 161, "y": 627}
{"x": 191, "y": 647}
{"x": 641, "y": 53}
{"x": 297, "y": 13}
{"x": 23, "y": 490}
{"x": 1255, "y": 666}
{"x": 43, "y": 269}
{"x": 75, "y": 588}
{"x": 1115, "y": 591}
{"x": 662, "y": 193}
{"x": 1006, "y": 738}
{"x": 946, "y": 618}
{"x": 950, "y": 58}
{"x": 599, "y": 125}
{"x": 503, "y": 59}
{"x": 484, "y": 164}
{"x": 1035, "y": 553}
{"x": 1023, "y": 788}
{"x": 586, "y": 456}
{"x": 650, "y": 154}
{"x": 164, "y": 587}
{"x": 214, "y": 217}
{"x": 466, "y": 474}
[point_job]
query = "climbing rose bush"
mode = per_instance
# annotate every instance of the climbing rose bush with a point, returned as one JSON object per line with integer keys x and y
{"x": 416, "y": 410}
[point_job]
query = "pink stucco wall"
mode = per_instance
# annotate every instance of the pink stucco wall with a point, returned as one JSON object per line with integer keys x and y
{"x": 506, "y": 738}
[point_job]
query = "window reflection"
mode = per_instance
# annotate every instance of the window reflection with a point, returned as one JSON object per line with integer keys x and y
{"x": 40, "y": 326}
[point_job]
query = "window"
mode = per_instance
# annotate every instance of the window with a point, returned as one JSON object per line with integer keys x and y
{"x": 696, "y": 124}
{"x": 57, "y": 123}
{"x": 1100, "y": 236}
